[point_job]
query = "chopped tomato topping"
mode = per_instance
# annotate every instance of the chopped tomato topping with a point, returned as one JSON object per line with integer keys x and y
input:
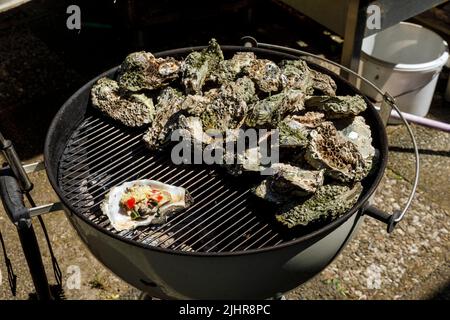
{"x": 159, "y": 198}
{"x": 131, "y": 202}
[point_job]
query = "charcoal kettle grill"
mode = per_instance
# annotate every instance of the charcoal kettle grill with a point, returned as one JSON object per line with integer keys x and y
{"x": 219, "y": 248}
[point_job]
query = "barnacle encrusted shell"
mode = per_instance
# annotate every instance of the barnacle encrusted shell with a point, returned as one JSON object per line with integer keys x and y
{"x": 289, "y": 181}
{"x": 132, "y": 110}
{"x": 167, "y": 109}
{"x": 266, "y": 74}
{"x": 358, "y": 132}
{"x": 330, "y": 151}
{"x": 192, "y": 129}
{"x": 230, "y": 69}
{"x": 310, "y": 119}
{"x": 330, "y": 201}
{"x": 338, "y": 106}
{"x": 323, "y": 83}
{"x": 223, "y": 108}
{"x": 296, "y": 74}
{"x": 293, "y": 133}
{"x": 110, "y": 206}
{"x": 141, "y": 70}
{"x": 270, "y": 111}
{"x": 199, "y": 66}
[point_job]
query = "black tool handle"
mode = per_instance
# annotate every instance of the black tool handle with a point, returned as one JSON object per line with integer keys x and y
{"x": 12, "y": 199}
{"x": 15, "y": 164}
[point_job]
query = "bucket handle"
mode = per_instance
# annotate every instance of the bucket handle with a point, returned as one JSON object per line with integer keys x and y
{"x": 391, "y": 219}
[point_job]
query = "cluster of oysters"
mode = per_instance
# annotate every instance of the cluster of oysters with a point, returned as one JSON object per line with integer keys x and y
{"x": 325, "y": 145}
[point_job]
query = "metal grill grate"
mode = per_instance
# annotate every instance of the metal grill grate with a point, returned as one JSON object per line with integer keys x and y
{"x": 223, "y": 218}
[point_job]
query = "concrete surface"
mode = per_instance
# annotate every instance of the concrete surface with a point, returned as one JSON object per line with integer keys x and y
{"x": 40, "y": 66}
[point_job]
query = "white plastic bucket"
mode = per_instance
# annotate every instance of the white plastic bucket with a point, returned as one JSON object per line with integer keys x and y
{"x": 404, "y": 60}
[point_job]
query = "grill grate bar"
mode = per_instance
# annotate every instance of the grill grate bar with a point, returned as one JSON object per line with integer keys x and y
{"x": 202, "y": 215}
{"x": 227, "y": 229}
{"x": 104, "y": 167}
{"x": 256, "y": 241}
{"x": 121, "y": 178}
{"x": 87, "y": 157}
{"x": 88, "y": 142}
{"x": 187, "y": 212}
{"x": 222, "y": 218}
{"x": 237, "y": 239}
{"x": 212, "y": 223}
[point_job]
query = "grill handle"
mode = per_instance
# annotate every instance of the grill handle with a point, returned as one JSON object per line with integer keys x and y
{"x": 11, "y": 195}
{"x": 388, "y": 103}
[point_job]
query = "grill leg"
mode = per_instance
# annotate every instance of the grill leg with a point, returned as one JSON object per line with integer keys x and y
{"x": 33, "y": 256}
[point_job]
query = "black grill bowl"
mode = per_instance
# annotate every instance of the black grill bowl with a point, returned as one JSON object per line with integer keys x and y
{"x": 221, "y": 247}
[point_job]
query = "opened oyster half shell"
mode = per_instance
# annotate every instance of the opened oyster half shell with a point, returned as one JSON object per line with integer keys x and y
{"x": 172, "y": 199}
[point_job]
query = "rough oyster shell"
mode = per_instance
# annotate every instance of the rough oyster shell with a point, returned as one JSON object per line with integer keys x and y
{"x": 141, "y": 70}
{"x": 230, "y": 69}
{"x": 223, "y": 108}
{"x": 199, "y": 66}
{"x": 330, "y": 201}
{"x": 358, "y": 132}
{"x": 134, "y": 110}
{"x": 270, "y": 111}
{"x": 296, "y": 74}
{"x": 330, "y": 151}
{"x": 167, "y": 109}
{"x": 338, "y": 106}
{"x": 289, "y": 181}
{"x": 121, "y": 221}
{"x": 293, "y": 133}
{"x": 310, "y": 119}
{"x": 265, "y": 73}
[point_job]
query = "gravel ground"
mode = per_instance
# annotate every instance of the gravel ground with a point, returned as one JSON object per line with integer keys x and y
{"x": 39, "y": 69}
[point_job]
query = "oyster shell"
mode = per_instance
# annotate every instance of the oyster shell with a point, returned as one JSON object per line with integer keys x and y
{"x": 289, "y": 181}
{"x": 120, "y": 220}
{"x": 230, "y": 69}
{"x": 141, "y": 70}
{"x": 265, "y": 73}
{"x": 330, "y": 201}
{"x": 338, "y": 106}
{"x": 133, "y": 110}
{"x": 339, "y": 157}
{"x": 310, "y": 119}
{"x": 167, "y": 109}
{"x": 296, "y": 74}
{"x": 223, "y": 108}
{"x": 198, "y": 67}
{"x": 293, "y": 133}
{"x": 270, "y": 111}
{"x": 194, "y": 129}
{"x": 358, "y": 132}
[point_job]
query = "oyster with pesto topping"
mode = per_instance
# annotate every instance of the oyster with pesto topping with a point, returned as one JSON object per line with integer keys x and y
{"x": 142, "y": 71}
{"x": 133, "y": 110}
{"x": 329, "y": 202}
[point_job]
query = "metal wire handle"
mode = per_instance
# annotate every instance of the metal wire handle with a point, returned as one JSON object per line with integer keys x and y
{"x": 250, "y": 41}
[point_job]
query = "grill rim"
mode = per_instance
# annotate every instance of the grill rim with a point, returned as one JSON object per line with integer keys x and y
{"x": 52, "y": 168}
